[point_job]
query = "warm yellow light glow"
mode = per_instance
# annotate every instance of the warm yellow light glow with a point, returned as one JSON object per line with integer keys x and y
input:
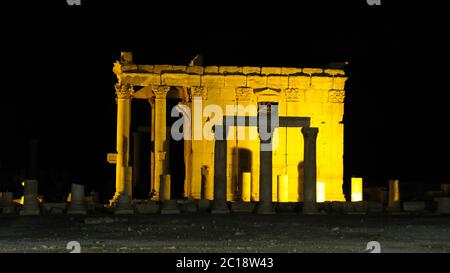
{"x": 283, "y": 188}
{"x": 357, "y": 189}
{"x": 394, "y": 190}
{"x": 246, "y": 186}
{"x": 317, "y": 93}
{"x": 321, "y": 190}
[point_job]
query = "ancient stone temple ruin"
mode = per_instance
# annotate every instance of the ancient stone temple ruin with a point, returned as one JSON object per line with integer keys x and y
{"x": 306, "y": 159}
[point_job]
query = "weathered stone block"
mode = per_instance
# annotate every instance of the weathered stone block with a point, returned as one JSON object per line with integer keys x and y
{"x": 271, "y": 70}
{"x": 211, "y": 70}
{"x": 195, "y": 69}
{"x": 300, "y": 82}
{"x": 334, "y": 72}
{"x": 311, "y": 71}
{"x": 161, "y": 68}
{"x": 254, "y": 81}
{"x": 230, "y": 69}
{"x": 278, "y": 81}
{"x": 248, "y": 70}
{"x": 213, "y": 80}
{"x": 233, "y": 81}
{"x": 321, "y": 82}
{"x": 290, "y": 70}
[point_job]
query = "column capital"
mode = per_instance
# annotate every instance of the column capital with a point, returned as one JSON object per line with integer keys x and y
{"x": 198, "y": 91}
{"x": 160, "y": 91}
{"x": 124, "y": 91}
{"x": 310, "y": 132}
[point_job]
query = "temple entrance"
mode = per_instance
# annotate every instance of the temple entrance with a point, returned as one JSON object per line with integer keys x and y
{"x": 176, "y": 164}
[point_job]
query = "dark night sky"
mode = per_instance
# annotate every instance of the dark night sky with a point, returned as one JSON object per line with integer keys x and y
{"x": 58, "y": 82}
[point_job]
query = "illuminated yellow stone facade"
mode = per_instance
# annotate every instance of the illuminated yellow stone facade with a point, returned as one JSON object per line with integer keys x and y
{"x": 299, "y": 92}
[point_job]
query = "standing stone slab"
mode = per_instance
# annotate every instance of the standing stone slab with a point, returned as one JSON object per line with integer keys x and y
{"x": 7, "y": 205}
{"x": 77, "y": 205}
{"x": 30, "y": 205}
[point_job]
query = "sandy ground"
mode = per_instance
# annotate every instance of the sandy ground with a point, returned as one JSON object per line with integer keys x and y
{"x": 224, "y": 233}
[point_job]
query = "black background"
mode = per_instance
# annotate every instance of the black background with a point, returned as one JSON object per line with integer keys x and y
{"x": 58, "y": 84}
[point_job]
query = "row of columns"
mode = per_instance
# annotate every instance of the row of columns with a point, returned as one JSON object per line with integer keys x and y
{"x": 265, "y": 205}
{"x": 158, "y": 137}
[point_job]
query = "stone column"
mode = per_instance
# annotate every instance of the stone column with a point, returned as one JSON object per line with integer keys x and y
{"x": 219, "y": 205}
{"x": 394, "y": 196}
{"x": 124, "y": 95}
{"x": 77, "y": 202}
{"x": 30, "y": 204}
{"x": 309, "y": 170}
{"x": 265, "y": 205}
{"x": 160, "y": 142}
{"x": 168, "y": 206}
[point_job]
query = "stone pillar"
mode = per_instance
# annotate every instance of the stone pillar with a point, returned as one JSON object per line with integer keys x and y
{"x": 357, "y": 189}
{"x": 219, "y": 205}
{"x": 124, "y": 95}
{"x": 30, "y": 204}
{"x": 265, "y": 205}
{"x": 246, "y": 186}
{"x": 160, "y": 142}
{"x": 309, "y": 170}
{"x": 394, "y": 195}
{"x": 77, "y": 204}
{"x": 169, "y": 206}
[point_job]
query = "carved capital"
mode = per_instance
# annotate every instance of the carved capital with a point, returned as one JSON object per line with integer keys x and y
{"x": 244, "y": 93}
{"x": 310, "y": 133}
{"x": 160, "y": 91}
{"x": 198, "y": 91}
{"x": 124, "y": 91}
{"x": 336, "y": 96}
{"x": 292, "y": 94}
